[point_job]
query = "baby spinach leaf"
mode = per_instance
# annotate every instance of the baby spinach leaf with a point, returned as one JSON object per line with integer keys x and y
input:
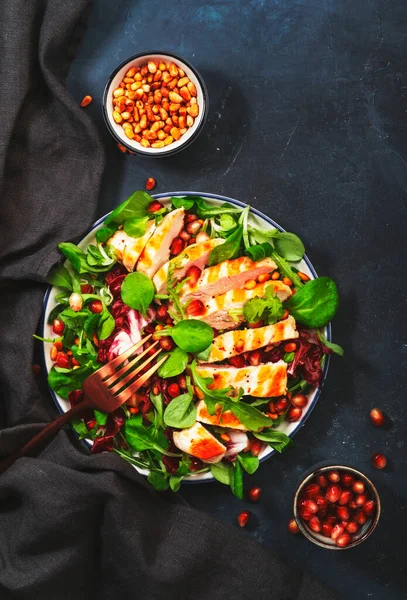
{"x": 316, "y": 303}
{"x": 180, "y": 412}
{"x": 191, "y": 335}
{"x": 222, "y": 472}
{"x": 237, "y": 481}
{"x": 185, "y": 202}
{"x": 227, "y": 222}
{"x": 175, "y": 482}
{"x": 101, "y": 417}
{"x": 136, "y": 226}
{"x": 260, "y": 251}
{"x": 157, "y": 401}
{"x": 104, "y": 233}
{"x": 269, "y": 309}
{"x": 135, "y": 206}
{"x": 158, "y": 480}
{"x": 65, "y": 381}
{"x": 61, "y": 277}
{"x": 72, "y": 319}
{"x": 249, "y": 462}
{"x": 91, "y": 324}
{"x": 137, "y": 292}
{"x": 140, "y": 438}
{"x": 288, "y": 245}
{"x": 276, "y": 439}
{"x": 79, "y": 260}
{"x": 174, "y": 365}
{"x": 99, "y": 256}
{"x": 106, "y": 325}
{"x": 228, "y": 250}
{"x": 334, "y": 347}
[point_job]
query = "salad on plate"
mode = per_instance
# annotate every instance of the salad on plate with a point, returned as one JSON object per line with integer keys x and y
{"x": 222, "y": 295}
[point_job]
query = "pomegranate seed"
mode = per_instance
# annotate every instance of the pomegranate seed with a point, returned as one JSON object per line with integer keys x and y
{"x": 314, "y": 524}
{"x": 150, "y": 184}
{"x": 309, "y": 505}
{"x": 312, "y": 490}
{"x": 345, "y": 497}
{"x": 193, "y": 275}
{"x": 358, "y": 487}
{"x": 166, "y": 343}
{"x": 305, "y": 514}
{"x": 282, "y": 405}
{"x": 255, "y": 358}
{"x": 299, "y": 400}
{"x": 86, "y": 100}
{"x": 155, "y": 206}
{"x": 254, "y": 494}
{"x": 360, "y": 517}
{"x": 293, "y": 526}
{"x": 343, "y": 513}
{"x": 352, "y": 505}
{"x": 86, "y": 288}
{"x": 182, "y": 382}
{"x": 63, "y": 360}
{"x": 377, "y": 417}
{"x": 361, "y": 499}
{"x": 133, "y": 410}
{"x": 322, "y": 512}
{"x": 75, "y": 362}
{"x": 326, "y": 529}
{"x": 321, "y": 502}
{"x": 293, "y": 414}
{"x": 173, "y": 390}
{"x": 58, "y": 326}
{"x": 243, "y": 518}
{"x": 90, "y": 424}
{"x": 347, "y": 480}
{"x": 58, "y": 345}
{"x": 195, "y": 308}
{"x": 379, "y": 461}
{"x": 337, "y": 530}
{"x": 184, "y": 235}
{"x": 255, "y": 325}
{"x": 272, "y": 406}
{"x": 162, "y": 312}
{"x": 334, "y": 476}
{"x": 352, "y": 527}
{"x": 343, "y": 540}
{"x": 195, "y": 464}
{"x": 322, "y": 481}
{"x": 36, "y": 369}
{"x": 189, "y": 218}
{"x": 333, "y": 493}
{"x": 369, "y": 508}
{"x": 177, "y": 246}
{"x": 255, "y": 447}
{"x": 235, "y": 361}
{"x": 96, "y": 307}
{"x": 290, "y": 347}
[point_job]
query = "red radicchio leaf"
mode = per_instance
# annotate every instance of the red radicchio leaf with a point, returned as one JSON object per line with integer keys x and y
{"x": 114, "y": 422}
{"x": 307, "y": 359}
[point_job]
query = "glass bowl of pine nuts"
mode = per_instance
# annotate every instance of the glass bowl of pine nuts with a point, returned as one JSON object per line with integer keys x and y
{"x": 155, "y": 104}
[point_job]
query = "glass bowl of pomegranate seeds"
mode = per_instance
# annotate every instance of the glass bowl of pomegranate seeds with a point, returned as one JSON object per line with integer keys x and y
{"x": 155, "y": 104}
{"x": 336, "y": 507}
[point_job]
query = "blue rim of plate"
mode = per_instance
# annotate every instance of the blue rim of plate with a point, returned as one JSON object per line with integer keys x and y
{"x": 271, "y": 222}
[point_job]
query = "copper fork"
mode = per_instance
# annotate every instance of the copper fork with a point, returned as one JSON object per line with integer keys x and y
{"x": 106, "y": 390}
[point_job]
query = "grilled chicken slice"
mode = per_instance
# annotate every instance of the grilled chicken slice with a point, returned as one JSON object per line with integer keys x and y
{"x": 227, "y": 275}
{"x": 127, "y": 248}
{"x": 194, "y": 255}
{"x": 198, "y": 442}
{"x": 221, "y": 419}
{"x": 235, "y": 342}
{"x": 217, "y": 309}
{"x": 264, "y": 381}
{"x": 157, "y": 249}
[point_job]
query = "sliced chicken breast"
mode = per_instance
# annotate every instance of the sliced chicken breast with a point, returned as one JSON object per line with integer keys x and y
{"x": 198, "y": 442}
{"x": 157, "y": 249}
{"x": 221, "y": 419}
{"x": 128, "y": 249}
{"x": 227, "y": 275}
{"x": 194, "y": 255}
{"x": 264, "y": 381}
{"x": 217, "y": 313}
{"x": 235, "y": 342}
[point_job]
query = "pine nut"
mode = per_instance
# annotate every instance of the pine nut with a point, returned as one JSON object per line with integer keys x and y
{"x": 249, "y": 285}
{"x": 303, "y": 276}
{"x": 275, "y": 275}
{"x": 263, "y": 277}
{"x": 287, "y": 281}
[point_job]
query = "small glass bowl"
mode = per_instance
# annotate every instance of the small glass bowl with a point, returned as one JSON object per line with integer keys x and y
{"x": 357, "y": 538}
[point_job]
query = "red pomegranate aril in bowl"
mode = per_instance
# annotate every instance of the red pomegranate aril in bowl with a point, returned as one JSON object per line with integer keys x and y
{"x": 310, "y": 505}
{"x": 343, "y": 540}
{"x": 334, "y": 476}
{"x": 360, "y": 500}
{"x": 326, "y": 529}
{"x": 337, "y": 530}
{"x": 347, "y": 480}
{"x": 352, "y": 527}
{"x": 333, "y": 493}
{"x": 369, "y": 508}
{"x": 312, "y": 489}
{"x": 345, "y": 497}
{"x": 358, "y": 487}
{"x": 322, "y": 481}
{"x": 315, "y": 524}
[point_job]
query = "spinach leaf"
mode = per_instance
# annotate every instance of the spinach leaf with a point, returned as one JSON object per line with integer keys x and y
{"x": 249, "y": 462}
{"x": 228, "y": 250}
{"x": 61, "y": 277}
{"x": 82, "y": 430}
{"x": 206, "y": 210}
{"x": 276, "y": 439}
{"x": 315, "y": 304}
{"x": 55, "y": 312}
{"x": 135, "y": 206}
{"x": 237, "y": 481}
{"x": 288, "y": 245}
{"x": 289, "y": 357}
{"x": 222, "y": 472}
{"x": 91, "y": 324}
{"x": 158, "y": 480}
{"x": 175, "y": 482}
{"x": 72, "y": 319}
{"x": 269, "y": 309}
{"x": 106, "y": 325}
{"x": 180, "y": 412}
{"x": 174, "y": 365}
{"x": 136, "y": 226}
{"x": 334, "y": 347}
{"x": 141, "y": 438}
{"x": 65, "y": 381}
{"x": 157, "y": 401}
{"x": 260, "y": 251}
{"x": 137, "y": 292}
{"x": 104, "y": 233}
{"x": 185, "y": 202}
{"x": 101, "y": 417}
{"x": 191, "y": 335}
{"x": 79, "y": 259}
{"x": 227, "y": 222}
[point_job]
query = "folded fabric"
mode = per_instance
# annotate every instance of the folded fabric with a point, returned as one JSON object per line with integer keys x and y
{"x": 75, "y": 525}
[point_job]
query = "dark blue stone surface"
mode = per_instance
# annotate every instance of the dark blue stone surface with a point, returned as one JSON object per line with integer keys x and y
{"x": 307, "y": 122}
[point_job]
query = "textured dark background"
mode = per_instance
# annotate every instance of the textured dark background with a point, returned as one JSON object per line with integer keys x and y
{"x": 307, "y": 122}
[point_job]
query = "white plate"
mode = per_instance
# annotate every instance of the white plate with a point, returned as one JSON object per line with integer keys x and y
{"x": 256, "y": 218}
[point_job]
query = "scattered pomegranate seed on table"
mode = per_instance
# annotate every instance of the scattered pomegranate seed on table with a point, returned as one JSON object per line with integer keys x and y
{"x": 155, "y": 206}
{"x": 150, "y": 184}
{"x": 254, "y": 494}
{"x": 243, "y": 518}
{"x": 86, "y": 101}
{"x": 379, "y": 461}
{"x": 377, "y": 417}
{"x": 293, "y": 526}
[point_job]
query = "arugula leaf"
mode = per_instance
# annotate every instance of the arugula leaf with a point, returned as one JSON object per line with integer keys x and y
{"x": 180, "y": 412}
{"x": 222, "y": 472}
{"x": 137, "y": 291}
{"x": 269, "y": 309}
{"x": 175, "y": 482}
{"x": 191, "y": 335}
{"x": 206, "y": 210}
{"x": 174, "y": 365}
{"x": 136, "y": 226}
{"x": 158, "y": 480}
{"x": 65, "y": 381}
{"x": 334, "y": 347}
{"x": 249, "y": 462}
{"x": 106, "y": 325}
{"x": 237, "y": 480}
{"x": 135, "y": 206}
{"x": 184, "y": 202}
{"x": 316, "y": 303}
{"x": 79, "y": 259}
{"x": 228, "y": 250}
{"x": 260, "y": 251}
{"x": 104, "y": 233}
{"x": 61, "y": 277}
{"x": 276, "y": 439}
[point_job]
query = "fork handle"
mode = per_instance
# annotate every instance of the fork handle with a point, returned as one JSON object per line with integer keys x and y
{"x": 47, "y": 432}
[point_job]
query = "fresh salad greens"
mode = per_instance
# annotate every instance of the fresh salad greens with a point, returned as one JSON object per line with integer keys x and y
{"x": 101, "y": 309}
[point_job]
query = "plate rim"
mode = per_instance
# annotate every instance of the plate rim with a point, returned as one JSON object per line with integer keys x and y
{"x": 257, "y": 213}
